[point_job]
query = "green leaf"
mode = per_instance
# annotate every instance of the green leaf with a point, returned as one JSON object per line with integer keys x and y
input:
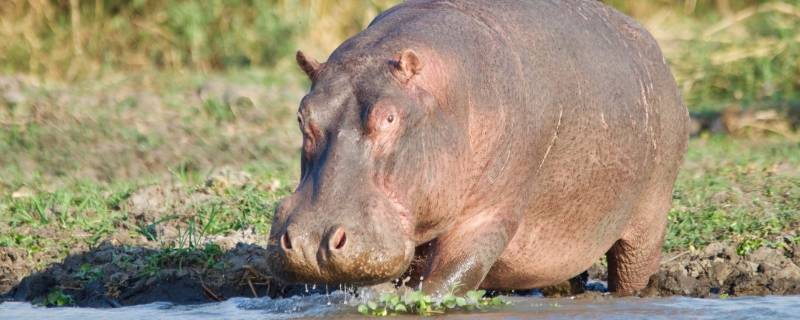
{"x": 476, "y": 294}
{"x": 497, "y": 301}
{"x": 413, "y": 298}
{"x": 363, "y": 309}
{"x": 400, "y": 308}
{"x": 383, "y": 312}
{"x": 372, "y": 305}
{"x": 385, "y": 297}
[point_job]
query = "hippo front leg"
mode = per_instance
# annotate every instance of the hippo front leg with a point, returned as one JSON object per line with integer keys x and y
{"x": 464, "y": 255}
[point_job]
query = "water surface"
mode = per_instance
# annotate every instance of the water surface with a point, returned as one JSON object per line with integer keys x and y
{"x": 335, "y": 305}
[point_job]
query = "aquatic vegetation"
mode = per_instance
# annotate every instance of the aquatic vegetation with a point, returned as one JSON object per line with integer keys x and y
{"x": 417, "y": 302}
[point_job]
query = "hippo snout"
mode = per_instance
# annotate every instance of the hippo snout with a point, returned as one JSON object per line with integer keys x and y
{"x": 336, "y": 254}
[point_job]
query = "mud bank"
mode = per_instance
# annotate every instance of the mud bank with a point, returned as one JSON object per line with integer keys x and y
{"x": 113, "y": 276}
{"x": 720, "y": 270}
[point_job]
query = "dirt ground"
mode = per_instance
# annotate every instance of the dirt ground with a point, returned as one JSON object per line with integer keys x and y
{"x": 113, "y": 275}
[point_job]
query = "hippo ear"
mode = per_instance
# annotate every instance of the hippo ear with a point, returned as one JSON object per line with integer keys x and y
{"x": 407, "y": 66}
{"x": 309, "y": 65}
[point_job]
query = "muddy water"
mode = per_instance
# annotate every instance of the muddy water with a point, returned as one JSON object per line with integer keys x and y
{"x": 336, "y": 305}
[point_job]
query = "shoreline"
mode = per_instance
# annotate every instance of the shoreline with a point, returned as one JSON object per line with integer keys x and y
{"x": 118, "y": 275}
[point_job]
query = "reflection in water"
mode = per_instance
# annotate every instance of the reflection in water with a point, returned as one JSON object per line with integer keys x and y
{"x": 523, "y": 307}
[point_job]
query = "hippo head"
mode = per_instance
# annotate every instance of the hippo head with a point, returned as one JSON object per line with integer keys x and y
{"x": 368, "y": 172}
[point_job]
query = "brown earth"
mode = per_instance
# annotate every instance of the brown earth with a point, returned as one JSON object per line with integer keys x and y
{"x": 114, "y": 275}
{"x": 719, "y": 269}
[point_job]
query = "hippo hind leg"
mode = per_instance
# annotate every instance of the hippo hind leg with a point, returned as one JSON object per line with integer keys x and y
{"x": 637, "y": 255}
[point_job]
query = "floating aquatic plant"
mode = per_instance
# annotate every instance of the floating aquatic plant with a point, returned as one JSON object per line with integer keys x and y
{"x": 417, "y": 302}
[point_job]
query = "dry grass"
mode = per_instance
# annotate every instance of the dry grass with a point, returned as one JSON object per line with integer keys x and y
{"x": 729, "y": 52}
{"x": 83, "y": 39}
{"x": 723, "y": 52}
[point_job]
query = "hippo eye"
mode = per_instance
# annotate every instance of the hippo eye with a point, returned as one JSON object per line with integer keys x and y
{"x": 382, "y": 116}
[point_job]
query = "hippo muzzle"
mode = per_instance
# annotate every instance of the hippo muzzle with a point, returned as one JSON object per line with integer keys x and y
{"x": 338, "y": 248}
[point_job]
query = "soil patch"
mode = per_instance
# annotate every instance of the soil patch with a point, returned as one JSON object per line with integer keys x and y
{"x": 720, "y": 270}
{"x": 112, "y": 276}
{"x": 117, "y": 275}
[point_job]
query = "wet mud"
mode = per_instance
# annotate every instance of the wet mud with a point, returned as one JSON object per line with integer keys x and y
{"x": 119, "y": 275}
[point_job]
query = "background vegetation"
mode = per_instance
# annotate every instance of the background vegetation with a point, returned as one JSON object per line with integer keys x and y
{"x": 722, "y": 51}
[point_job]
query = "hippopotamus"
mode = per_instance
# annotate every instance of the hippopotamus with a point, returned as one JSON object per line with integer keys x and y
{"x": 499, "y": 144}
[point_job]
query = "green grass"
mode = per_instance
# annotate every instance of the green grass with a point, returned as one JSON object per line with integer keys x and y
{"x": 56, "y": 298}
{"x": 83, "y": 215}
{"x": 97, "y": 36}
{"x": 737, "y": 52}
{"x": 747, "y": 191}
{"x": 130, "y": 126}
{"x": 207, "y": 255}
{"x": 66, "y": 185}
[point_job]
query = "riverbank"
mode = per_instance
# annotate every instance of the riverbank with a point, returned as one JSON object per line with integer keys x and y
{"x": 114, "y": 276}
{"x": 161, "y": 187}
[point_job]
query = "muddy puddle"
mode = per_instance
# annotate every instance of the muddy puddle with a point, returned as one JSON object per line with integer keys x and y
{"x": 340, "y": 305}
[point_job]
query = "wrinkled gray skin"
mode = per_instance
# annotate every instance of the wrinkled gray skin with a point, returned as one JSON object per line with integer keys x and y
{"x": 495, "y": 144}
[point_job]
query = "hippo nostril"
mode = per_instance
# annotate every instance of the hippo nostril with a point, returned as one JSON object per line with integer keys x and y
{"x": 338, "y": 240}
{"x": 341, "y": 242}
{"x": 285, "y": 242}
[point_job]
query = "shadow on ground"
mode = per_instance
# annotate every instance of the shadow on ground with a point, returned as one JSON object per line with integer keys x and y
{"x": 113, "y": 276}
